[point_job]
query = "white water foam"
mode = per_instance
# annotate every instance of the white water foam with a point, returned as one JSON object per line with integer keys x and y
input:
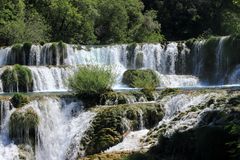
{"x": 132, "y": 142}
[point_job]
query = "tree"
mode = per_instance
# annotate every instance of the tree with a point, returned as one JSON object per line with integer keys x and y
{"x": 21, "y": 26}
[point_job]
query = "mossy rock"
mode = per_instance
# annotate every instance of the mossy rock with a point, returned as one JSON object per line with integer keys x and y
{"x": 58, "y": 52}
{"x": 19, "y": 100}
{"x": 139, "y": 60}
{"x": 146, "y": 79}
{"x": 131, "y": 54}
{"x": 111, "y": 123}
{"x": 113, "y": 98}
{"x": 168, "y": 91}
{"x": 23, "y": 126}
{"x": 17, "y": 79}
{"x": 20, "y": 54}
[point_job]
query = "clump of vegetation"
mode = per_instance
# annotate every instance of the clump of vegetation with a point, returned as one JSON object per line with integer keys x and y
{"x": 17, "y": 79}
{"x": 114, "y": 98}
{"x": 146, "y": 79}
{"x": 168, "y": 91}
{"x": 23, "y": 125}
{"x": 19, "y": 100}
{"x": 91, "y": 80}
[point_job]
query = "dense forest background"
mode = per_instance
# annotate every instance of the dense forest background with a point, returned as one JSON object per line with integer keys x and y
{"x": 115, "y": 21}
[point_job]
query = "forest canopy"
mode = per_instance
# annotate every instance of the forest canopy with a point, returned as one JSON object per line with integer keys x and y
{"x": 121, "y": 21}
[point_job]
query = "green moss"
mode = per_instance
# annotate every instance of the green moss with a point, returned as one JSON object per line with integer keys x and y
{"x": 111, "y": 123}
{"x": 26, "y": 49}
{"x": 62, "y": 51}
{"x": 20, "y": 54}
{"x": 19, "y": 100}
{"x": 17, "y": 55}
{"x": 23, "y": 125}
{"x": 146, "y": 79}
{"x": 168, "y": 91}
{"x": 113, "y": 98}
{"x": 190, "y": 42}
{"x": 139, "y": 60}
{"x": 130, "y": 54}
{"x": 17, "y": 79}
{"x": 54, "y": 52}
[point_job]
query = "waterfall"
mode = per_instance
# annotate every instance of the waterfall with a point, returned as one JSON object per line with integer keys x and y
{"x": 178, "y": 65}
{"x": 4, "y": 52}
{"x": 60, "y": 122}
{"x": 220, "y": 59}
{"x": 50, "y": 78}
{"x": 198, "y": 57}
{"x": 8, "y": 150}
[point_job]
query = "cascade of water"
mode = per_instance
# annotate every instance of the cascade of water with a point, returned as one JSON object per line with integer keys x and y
{"x": 234, "y": 77}
{"x": 219, "y": 65}
{"x": 8, "y": 150}
{"x": 180, "y": 104}
{"x": 178, "y": 80}
{"x": 198, "y": 57}
{"x": 35, "y": 55}
{"x": 132, "y": 142}
{"x": 50, "y": 78}
{"x": 157, "y": 57}
{"x": 60, "y": 122}
{"x": 4, "y": 52}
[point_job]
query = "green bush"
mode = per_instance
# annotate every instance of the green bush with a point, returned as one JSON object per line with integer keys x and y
{"x": 91, "y": 80}
{"x": 17, "y": 79}
{"x": 146, "y": 79}
{"x": 19, "y": 100}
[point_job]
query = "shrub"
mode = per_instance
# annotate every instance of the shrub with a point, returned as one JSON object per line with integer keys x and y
{"x": 146, "y": 79}
{"x": 19, "y": 100}
{"x": 91, "y": 80}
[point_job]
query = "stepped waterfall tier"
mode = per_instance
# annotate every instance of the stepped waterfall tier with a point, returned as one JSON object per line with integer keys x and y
{"x": 206, "y": 62}
{"x": 172, "y": 100}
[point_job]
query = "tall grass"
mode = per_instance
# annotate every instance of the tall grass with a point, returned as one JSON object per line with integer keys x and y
{"x": 91, "y": 80}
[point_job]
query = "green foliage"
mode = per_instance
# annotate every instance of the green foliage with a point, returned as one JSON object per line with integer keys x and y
{"x": 17, "y": 79}
{"x": 25, "y": 25}
{"x": 85, "y": 22}
{"x": 91, "y": 80}
{"x": 23, "y": 125}
{"x": 184, "y": 19}
{"x": 146, "y": 79}
{"x": 19, "y": 100}
{"x": 231, "y": 22}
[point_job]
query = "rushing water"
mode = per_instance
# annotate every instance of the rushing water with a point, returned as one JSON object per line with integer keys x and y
{"x": 177, "y": 65}
{"x": 60, "y": 122}
{"x": 182, "y": 103}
